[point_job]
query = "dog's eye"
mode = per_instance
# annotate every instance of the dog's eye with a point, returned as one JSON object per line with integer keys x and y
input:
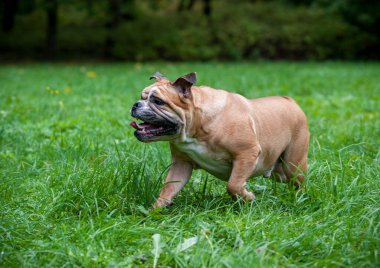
{"x": 157, "y": 101}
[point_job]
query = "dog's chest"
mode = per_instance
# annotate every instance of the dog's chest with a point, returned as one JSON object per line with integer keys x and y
{"x": 214, "y": 162}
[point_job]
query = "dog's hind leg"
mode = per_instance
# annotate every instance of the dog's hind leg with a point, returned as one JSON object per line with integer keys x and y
{"x": 294, "y": 160}
{"x": 278, "y": 172}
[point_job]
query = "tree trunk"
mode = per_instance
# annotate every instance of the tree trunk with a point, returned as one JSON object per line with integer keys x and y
{"x": 207, "y": 8}
{"x": 9, "y": 12}
{"x": 114, "y": 15}
{"x": 191, "y": 4}
{"x": 52, "y": 25}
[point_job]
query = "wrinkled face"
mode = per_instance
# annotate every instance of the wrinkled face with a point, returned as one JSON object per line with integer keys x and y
{"x": 161, "y": 109}
{"x": 159, "y": 121}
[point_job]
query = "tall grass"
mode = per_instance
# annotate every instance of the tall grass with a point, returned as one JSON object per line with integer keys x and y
{"x": 76, "y": 185}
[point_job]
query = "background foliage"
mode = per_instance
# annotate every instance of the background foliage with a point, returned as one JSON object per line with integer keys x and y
{"x": 190, "y": 29}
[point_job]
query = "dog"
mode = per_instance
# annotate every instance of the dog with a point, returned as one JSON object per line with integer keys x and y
{"x": 226, "y": 134}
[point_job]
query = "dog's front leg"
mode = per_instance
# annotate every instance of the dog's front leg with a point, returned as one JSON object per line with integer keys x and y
{"x": 178, "y": 175}
{"x": 243, "y": 167}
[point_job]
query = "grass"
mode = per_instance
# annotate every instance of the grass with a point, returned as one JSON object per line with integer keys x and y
{"x": 76, "y": 185}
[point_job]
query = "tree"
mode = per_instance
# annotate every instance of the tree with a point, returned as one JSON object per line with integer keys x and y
{"x": 51, "y": 27}
{"x": 9, "y": 13}
{"x": 207, "y": 8}
{"x": 118, "y": 10}
{"x": 188, "y": 5}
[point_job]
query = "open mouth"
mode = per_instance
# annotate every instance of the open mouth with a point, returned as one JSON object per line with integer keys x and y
{"x": 145, "y": 130}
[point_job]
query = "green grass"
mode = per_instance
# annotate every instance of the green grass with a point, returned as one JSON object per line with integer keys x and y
{"x": 75, "y": 183}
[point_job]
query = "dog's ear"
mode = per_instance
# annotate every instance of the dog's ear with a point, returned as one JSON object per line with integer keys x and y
{"x": 183, "y": 84}
{"x": 159, "y": 77}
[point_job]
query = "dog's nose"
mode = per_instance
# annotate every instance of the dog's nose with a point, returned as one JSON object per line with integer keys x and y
{"x": 136, "y": 105}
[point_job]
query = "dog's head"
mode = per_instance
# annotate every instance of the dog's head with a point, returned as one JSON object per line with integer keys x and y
{"x": 164, "y": 108}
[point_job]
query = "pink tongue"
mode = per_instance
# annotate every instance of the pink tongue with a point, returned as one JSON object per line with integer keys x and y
{"x": 141, "y": 126}
{"x": 135, "y": 125}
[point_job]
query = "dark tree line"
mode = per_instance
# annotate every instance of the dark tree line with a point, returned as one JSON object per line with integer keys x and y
{"x": 114, "y": 14}
{"x": 117, "y": 11}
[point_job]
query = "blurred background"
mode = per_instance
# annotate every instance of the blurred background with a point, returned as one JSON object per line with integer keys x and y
{"x": 189, "y": 30}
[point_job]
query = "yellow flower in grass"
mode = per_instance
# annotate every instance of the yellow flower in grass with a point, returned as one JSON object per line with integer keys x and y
{"x": 52, "y": 90}
{"x": 67, "y": 89}
{"x": 90, "y": 74}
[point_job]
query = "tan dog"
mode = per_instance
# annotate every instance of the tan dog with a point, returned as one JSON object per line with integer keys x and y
{"x": 229, "y": 136}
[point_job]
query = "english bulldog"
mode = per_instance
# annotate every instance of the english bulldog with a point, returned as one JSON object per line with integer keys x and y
{"x": 224, "y": 133}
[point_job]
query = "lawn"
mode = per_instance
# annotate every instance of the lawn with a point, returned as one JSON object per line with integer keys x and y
{"x": 76, "y": 185}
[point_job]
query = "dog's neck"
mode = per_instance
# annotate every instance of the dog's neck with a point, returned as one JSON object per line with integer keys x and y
{"x": 202, "y": 116}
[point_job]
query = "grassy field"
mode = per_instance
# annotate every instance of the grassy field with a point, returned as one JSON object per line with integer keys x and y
{"x": 76, "y": 185}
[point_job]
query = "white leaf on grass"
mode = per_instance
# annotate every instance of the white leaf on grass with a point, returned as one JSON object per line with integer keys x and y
{"x": 238, "y": 242}
{"x": 187, "y": 243}
{"x": 156, "y": 248}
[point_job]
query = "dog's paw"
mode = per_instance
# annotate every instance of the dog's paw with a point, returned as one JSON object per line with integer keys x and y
{"x": 248, "y": 196}
{"x": 161, "y": 203}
